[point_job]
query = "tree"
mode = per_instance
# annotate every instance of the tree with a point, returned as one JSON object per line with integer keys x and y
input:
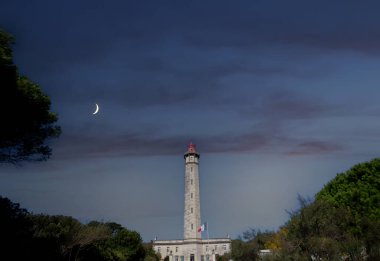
{"x": 26, "y": 120}
{"x": 150, "y": 254}
{"x": 27, "y": 236}
{"x": 318, "y": 229}
{"x": 116, "y": 244}
{"x": 246, "y": 247}
{"x": 53, "y": 236}
{"x": 342, "y": 221}
{"x": 87, "y": 236}
{"x": 125, "y": 245}
{"x": 357, "y": 188}
{"x": 15, "y": 227}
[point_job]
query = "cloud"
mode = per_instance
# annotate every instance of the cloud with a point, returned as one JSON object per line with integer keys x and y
{"x": 315, "y": 147}
{"x": 323, "y": 25}
{"x": 152, "y": 144}
{"x": 262, "y": 125}
{"x": 284, "y": 105}
{"x": 137, "y": 56}
{"x": 87, "y": 33}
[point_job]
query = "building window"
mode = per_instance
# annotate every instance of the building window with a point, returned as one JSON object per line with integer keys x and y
{"x": 191, "y": 210}
{"x": 159, "y": 249}
{"x": 167, "y": 249}
{"x": 216, "y": 247}
{"x": 224, "y": 247}
{"x": 206, "y": 248}
{"x": 191, "y": 226}
{"x": 176, "y": 258}
{"x": 182, "y": 258}
{"x": 191, "y": 195}
{"x": 191, "y": 182}
{"x": 202, "y": 258}
{"x": 191, "y": 169}
{"x": 176, "y": 249}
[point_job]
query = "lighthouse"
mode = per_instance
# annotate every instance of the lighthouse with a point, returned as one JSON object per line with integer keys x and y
{"x": 192, "y": 247}
{"x": 192, "y": 212}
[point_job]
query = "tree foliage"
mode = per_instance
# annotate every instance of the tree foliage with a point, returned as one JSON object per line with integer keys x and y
{"x": 150, "y": 254}
{"x": 123, "y": 245}
{"x": 26, "y": 119}
{"x": 318, "y": 230}
{"x": 53, "y": 235}
{"x": 357, "y": 188}
{"x": 342, "y": 222}
{"x": 26, "y": 236}
{"x": 15, "y": 231}
{"x": 247, "y": 246}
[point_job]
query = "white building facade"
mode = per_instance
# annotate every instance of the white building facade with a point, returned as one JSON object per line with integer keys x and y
{"x": 192, "y": 247}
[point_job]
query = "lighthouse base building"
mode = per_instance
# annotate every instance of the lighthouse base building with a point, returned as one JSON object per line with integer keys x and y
{"x": 199, "y": 250}
{"x": 192, "y": 247}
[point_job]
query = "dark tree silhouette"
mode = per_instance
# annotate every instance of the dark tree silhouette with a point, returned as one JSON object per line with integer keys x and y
{"x": 15, "y": 227}
{"x": 26, "y": 122}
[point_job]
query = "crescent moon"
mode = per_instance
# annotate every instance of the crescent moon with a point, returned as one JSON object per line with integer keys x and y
{"x": 97, "y": 109}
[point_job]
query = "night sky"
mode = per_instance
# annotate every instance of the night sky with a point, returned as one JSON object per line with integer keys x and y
{"x": 278, "y": 96}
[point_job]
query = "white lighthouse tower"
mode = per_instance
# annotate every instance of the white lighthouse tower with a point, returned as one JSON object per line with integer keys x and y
{"x": 192, "y": 247}
{"x": 192, "y": 214}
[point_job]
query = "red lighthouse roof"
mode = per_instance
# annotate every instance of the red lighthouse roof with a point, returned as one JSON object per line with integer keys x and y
{"x": 191, "y": 151}
{"x": 191, "y": 148}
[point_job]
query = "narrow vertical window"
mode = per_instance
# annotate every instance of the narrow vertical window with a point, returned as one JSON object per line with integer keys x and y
{"x": 191, "y": 182}
{"x": 192, "y": 226}
{"x": 191, "y": 195}
{"x": 191, "y": 210}
{"x": 191, "y": 169}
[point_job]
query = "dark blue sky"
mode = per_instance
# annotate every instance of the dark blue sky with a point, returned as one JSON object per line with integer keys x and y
{"x": 279, "y": 96}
